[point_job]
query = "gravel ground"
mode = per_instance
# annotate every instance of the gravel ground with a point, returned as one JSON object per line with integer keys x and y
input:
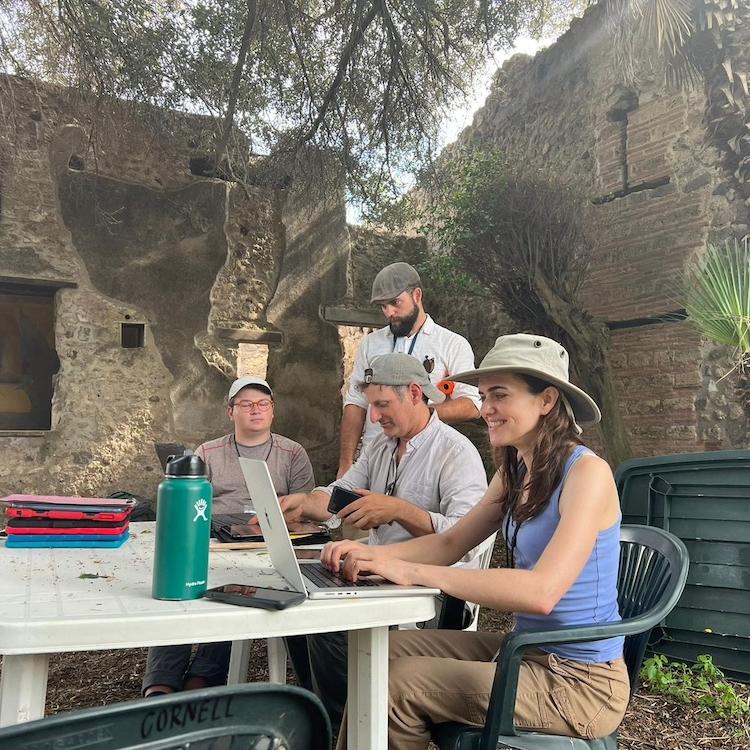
{"x": 653, "y": 722}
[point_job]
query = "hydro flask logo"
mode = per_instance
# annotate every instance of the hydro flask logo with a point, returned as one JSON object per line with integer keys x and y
{"x": 200, "y": 510}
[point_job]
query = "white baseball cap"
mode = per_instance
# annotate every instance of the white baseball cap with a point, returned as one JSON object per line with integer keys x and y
{"x": 246, "y": 381}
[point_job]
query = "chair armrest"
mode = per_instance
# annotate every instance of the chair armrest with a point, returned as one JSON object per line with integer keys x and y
{"x": 505, "y": 685}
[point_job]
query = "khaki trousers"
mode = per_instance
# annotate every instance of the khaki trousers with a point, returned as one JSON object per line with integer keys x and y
{"x": 446, "y": 675}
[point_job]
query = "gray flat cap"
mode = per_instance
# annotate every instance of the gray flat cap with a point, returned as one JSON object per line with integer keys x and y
{"x": 392, "y": 280}
{"x": 401, "y": 369}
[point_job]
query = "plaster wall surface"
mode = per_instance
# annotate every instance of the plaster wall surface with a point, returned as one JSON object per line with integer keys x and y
{"x": 109, "y": 207}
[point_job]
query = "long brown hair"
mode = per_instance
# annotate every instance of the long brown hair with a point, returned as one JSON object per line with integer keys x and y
{"x": 556, "y": 432}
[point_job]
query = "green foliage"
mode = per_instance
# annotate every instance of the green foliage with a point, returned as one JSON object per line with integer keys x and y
{"x": 717, "y": 295}
{"x": 702, "y": 684}
{"x": 519, "y": 231}
{"x": 366, "y": 81}
{"x": 445, "y": 278}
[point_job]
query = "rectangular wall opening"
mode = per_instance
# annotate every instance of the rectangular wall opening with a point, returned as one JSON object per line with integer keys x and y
{"x": 133, "y": 335}
{"x": 28, "y": 360}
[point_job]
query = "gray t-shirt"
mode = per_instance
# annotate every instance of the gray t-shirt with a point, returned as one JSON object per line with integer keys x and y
{"x": 288, "y": 464}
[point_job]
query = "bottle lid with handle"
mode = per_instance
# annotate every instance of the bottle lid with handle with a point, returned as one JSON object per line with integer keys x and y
{"x": 188, "y": 465}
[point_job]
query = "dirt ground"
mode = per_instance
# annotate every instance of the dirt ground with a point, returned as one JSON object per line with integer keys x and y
{"x": 653, "y": 722}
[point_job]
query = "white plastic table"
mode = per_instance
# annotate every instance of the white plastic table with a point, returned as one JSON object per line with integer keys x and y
{"x": 49, "y": 603}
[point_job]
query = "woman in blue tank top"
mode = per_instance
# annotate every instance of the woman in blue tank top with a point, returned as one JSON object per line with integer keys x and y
{"x": 556, "y": 504}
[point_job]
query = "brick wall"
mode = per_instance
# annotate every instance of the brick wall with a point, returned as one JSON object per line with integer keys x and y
{"x": 658, "y": 193}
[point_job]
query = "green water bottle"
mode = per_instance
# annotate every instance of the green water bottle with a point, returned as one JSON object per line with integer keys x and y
{"x": 183, "y": 525}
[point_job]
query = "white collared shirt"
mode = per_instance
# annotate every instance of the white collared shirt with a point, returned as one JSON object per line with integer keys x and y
{"x": 440, "y": 472}
{"x": 450, "y": 352}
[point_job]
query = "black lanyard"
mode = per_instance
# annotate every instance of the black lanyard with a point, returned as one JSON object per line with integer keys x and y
{"x": 237, "y": 448}
{"x": 413, "y": 341}
{"x": 390, "y": 487}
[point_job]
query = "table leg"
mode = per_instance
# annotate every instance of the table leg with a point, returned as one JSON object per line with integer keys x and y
{"x": 23, "y": 688}
{"x": 238, "y": 662}
{"x": 367, "y": 708}
{"x": 276, "y": 660}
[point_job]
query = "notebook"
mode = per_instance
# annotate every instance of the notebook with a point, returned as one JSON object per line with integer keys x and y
{"x": 50, "y": 527}
{"x": 79, "y": 505}
{"x": 305, "y": 576}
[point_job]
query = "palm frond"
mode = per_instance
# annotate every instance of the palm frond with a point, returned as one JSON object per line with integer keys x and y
{"x": 664, "y": 27}
{"x": 667, "y": 24}
{"x": 717, "y": 295}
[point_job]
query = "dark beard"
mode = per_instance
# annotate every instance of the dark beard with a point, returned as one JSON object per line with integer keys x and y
{"x": 403, "y": 327}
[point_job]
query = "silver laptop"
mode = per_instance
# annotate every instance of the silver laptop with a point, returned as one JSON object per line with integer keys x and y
{"x": 305, "y": 576}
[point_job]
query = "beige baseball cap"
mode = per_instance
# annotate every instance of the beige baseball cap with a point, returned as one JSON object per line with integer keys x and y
{"x": 392, "y": 280}
{"x": 401, "y": 369}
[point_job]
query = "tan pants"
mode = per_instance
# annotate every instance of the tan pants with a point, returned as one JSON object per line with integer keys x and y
{"x": 446, "y": 675}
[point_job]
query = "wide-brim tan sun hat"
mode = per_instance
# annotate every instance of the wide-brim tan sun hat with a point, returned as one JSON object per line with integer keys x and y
{"x": 540, "y": 357}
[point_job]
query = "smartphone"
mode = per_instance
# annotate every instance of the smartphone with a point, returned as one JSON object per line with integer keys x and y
{"x": 255, "y": 596}
{"x": 340, "y": 498}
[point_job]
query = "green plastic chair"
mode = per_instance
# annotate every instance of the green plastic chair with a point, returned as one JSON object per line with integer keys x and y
{"x": 653, "y": 570}
{"x": 240, "y": 717}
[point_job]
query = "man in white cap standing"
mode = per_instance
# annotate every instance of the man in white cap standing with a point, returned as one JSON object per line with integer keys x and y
{"x": 398, "y": 290}
{"x": 250, "y": 408}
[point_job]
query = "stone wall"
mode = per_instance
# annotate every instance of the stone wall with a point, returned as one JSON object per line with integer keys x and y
{"x": 658, "y": 193}
{"x": 306, "y": 371}
{"x": 108, "y": 209}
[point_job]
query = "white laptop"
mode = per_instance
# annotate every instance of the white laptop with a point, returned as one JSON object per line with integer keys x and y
{"x": 305, "y": 576}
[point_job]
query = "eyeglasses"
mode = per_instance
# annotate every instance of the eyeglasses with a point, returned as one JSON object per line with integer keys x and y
{"x": 390, "y": 485}
{"x": 263, "y": 405}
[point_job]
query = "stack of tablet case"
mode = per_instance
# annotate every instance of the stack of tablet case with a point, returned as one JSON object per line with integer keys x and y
{"x": 58, "y": 521}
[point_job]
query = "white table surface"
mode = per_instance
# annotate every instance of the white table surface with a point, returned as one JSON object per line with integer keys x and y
{"x": 49, "y": 604}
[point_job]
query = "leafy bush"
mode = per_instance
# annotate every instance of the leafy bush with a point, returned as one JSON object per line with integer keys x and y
{"x": 702, "y": 684}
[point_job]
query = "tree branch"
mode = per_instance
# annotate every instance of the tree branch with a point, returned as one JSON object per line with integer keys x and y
{"x": 346, "y": 56}
{"x": 247, "y": 37}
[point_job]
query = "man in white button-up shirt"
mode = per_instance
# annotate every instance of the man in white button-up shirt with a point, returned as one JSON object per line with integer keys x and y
{"x": 418, "y": 477}
{"x": 398, "y": 291}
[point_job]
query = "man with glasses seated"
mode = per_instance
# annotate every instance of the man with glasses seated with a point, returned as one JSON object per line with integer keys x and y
{"x": 418, "y": 476}
{"x": 250, "y": 408}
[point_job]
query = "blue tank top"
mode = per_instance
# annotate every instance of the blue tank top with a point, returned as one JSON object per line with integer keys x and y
{"x": 593, "y": 596}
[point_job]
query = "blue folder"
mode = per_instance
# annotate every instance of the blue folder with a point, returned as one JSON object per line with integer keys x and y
{"x": 65, "y": 540}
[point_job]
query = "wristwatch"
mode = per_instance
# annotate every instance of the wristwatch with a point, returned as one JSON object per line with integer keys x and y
{"x": 333, "y": 522}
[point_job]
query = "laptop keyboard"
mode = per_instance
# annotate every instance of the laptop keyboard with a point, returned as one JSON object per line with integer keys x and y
{"x": 323, "y": 577}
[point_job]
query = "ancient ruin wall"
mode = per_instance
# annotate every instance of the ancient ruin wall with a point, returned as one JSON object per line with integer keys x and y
{"x": 137, "y": 238}
{"x": 658, "y": 194}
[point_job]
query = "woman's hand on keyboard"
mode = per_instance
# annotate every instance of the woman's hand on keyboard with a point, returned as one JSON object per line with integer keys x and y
{"x": 352, "y": 560}
{"x": 333, "y": 553}
{"x": 373, "y": 561}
